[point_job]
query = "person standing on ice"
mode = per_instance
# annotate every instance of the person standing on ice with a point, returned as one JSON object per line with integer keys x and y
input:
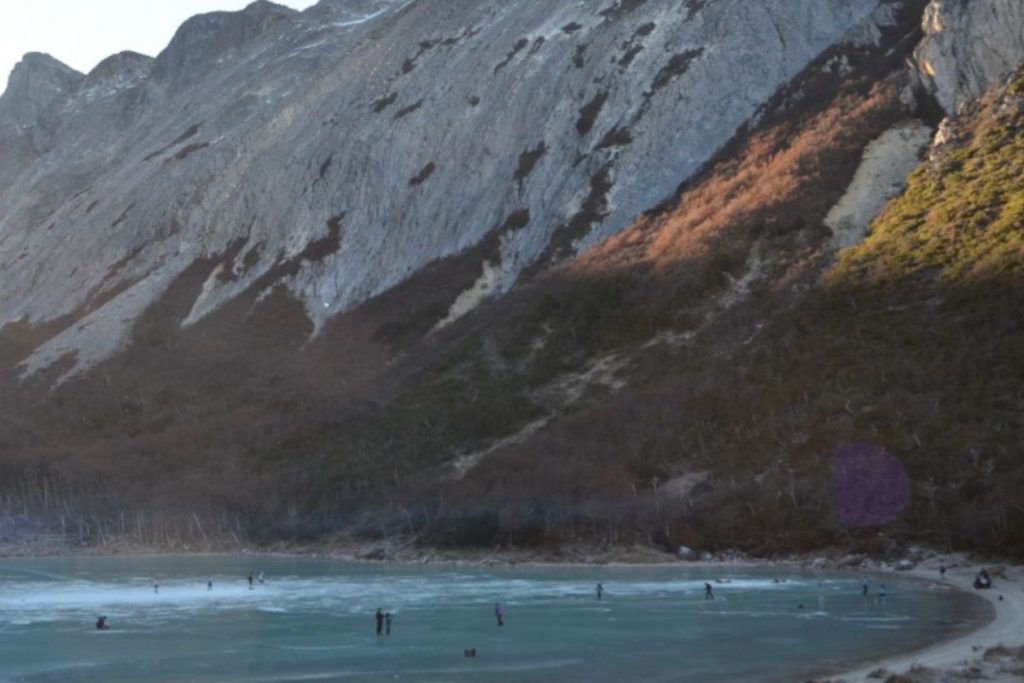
{"x": 156, "y": 584}
{"x": 499, "y": 613}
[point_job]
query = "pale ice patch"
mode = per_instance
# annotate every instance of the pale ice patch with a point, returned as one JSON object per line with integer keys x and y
{"x": 35, "y": 601}
{"x": 361, "y": 20}
{"x": 369, "y": 17}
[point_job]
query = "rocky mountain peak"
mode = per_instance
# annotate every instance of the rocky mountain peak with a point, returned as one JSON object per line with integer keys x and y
{"x": 206, "y": 37}
{"x": 125, "y": 69}
{"x": 36, "y": 82}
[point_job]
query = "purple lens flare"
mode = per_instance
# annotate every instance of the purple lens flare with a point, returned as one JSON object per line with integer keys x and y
{"x": 870, "y": 487}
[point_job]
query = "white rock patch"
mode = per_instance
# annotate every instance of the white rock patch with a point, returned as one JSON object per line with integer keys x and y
{"x": 882, "y": 175}
{"x": 492, "y": 280}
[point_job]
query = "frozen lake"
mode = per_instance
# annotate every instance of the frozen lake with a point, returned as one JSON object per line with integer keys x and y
{"x": 313, "y": 620}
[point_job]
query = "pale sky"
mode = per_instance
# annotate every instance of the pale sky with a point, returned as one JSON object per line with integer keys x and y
{"x": 81, "y": 33}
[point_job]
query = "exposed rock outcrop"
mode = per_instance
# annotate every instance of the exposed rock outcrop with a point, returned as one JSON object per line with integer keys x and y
{"x": 416, "y": 130}
{"x": 37, "y": 82}
{"x": 117, "y": 72}
{"x": 970, "y": 46}
{"x": 204, "y": 39}
{"x": 881, "y": 176}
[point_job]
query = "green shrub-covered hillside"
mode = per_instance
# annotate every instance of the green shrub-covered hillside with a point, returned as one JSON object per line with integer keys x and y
{"x": 962, "y": 216}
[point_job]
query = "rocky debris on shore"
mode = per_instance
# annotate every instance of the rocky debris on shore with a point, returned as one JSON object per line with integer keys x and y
{"x": 996, "y": 664}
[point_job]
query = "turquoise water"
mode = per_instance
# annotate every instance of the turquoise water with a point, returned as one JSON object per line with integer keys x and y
{"x": 313, "y": 620}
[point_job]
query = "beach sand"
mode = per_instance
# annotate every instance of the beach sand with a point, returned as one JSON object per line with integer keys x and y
{"x": 963, "y": 659}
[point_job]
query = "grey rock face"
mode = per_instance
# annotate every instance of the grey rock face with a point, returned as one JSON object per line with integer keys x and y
{"x": 36, "y": 82}
{"x": 337, "y": 151}
{"x": 205, "y": 38}
{"x": 970, "y": 46}
{"x": 117, "y": 72}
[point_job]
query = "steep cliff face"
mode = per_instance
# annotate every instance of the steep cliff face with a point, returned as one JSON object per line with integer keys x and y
{"x": 37, "y": 82}
{"x": 338, "y": 151}
{"x": 969, "y": 46}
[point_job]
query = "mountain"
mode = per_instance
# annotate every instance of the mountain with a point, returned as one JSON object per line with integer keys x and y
{"x": 409, "y": 133}
{"x": 513, "y": 272}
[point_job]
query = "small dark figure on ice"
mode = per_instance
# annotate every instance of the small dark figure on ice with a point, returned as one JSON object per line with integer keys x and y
{"x": 499, "y": 613}
{"x": 380, "y": 621}
{"x": 709, "y": 593}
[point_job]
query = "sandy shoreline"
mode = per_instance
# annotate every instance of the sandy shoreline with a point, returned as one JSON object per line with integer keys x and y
{"x": 962, "y": 658}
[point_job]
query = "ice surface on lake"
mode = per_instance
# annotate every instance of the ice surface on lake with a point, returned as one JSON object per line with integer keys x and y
{"x": 312, "y": 620}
